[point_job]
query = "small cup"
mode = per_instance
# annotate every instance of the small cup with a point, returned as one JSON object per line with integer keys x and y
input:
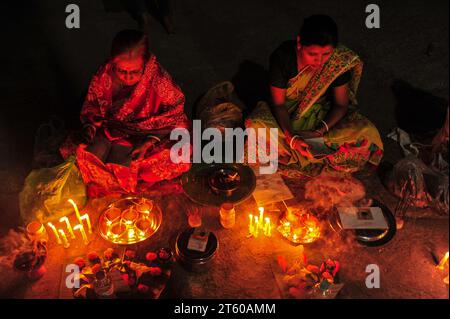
{"x": 227, "y": 215}
{"x": 112, "y": 215}
{"x": 117, "y": 230}
{"x": 36, "y": 231}
{"x": 143, "y": 225}
{"x": 144, "y": 207}
{"x": 129, "y": 216}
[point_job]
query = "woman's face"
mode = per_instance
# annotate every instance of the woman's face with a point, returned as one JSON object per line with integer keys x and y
{"x": 314, "y": 56}
{"x": 129, "y": 71}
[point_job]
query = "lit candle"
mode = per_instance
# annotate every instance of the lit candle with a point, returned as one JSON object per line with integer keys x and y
{"x": 261, "y": 217}
{"x": 266, "y": 226}
{"x": 131, "y": 234}
{"x": 443, "y": 261}
{"x": 55, "y": 232}
{"x": 69, "y": 227}
{"x": 270, "y": 229}
{"x": 77, "y": 212}
{"x": 36, "y": 231}
{"x": 64, "y": 238}
{"x": 250, "y": 225}
{"x": 257, "y": 226}
{"x": 83, "y": 233}
{"x": 88, "y": 222}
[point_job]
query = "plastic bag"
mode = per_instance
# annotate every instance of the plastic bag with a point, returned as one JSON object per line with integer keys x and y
{"x": 46, "y": 191}
{"x": 423, "y": 186}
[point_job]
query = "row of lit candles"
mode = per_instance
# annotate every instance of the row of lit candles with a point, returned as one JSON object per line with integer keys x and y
{"x": 259, "y": 223}
{"x": 60, "y": 235}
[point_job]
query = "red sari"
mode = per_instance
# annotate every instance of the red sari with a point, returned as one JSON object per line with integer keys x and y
{"x": 156, "y": 103}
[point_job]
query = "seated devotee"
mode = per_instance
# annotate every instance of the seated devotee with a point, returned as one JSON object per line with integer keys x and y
{"x": 313, "y": 81}
{"x": 130, "y": 109}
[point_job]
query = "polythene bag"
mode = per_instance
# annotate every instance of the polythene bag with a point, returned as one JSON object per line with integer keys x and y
{"x": 45, "y": 194}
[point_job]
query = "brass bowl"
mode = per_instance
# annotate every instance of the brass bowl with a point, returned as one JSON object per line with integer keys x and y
{"x": 143, "y": 226}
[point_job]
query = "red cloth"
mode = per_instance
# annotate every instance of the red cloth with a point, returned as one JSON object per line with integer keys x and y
{"x": 156, "y": 103}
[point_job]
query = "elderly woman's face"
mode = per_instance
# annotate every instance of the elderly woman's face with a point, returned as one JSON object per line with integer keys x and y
{"x": 129, "y": 71}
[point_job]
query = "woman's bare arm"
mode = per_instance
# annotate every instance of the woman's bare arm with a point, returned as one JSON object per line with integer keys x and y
{"x": 339, "y": 107}
{"x": 279, "y": 110}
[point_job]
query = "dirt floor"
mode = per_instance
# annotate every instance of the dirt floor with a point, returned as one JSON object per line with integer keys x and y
{"x": 406, "y": 72}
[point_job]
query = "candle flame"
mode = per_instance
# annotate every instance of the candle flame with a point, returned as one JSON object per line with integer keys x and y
{"x": 444, "y": 260}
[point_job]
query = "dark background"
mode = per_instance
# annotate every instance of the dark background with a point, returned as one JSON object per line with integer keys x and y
{"x": 46, "y": 67}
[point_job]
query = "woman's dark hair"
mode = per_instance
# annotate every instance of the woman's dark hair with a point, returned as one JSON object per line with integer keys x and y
{"x": 319, "y": 29}
{"x": 130, "y": 42}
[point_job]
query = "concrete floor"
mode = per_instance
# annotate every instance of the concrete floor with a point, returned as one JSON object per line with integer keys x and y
{"x": 48, "y": 66}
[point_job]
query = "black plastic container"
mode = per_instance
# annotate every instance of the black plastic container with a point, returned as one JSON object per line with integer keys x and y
{"x": 192, "y": 260}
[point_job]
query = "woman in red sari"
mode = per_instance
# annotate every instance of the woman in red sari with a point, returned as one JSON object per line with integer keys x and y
{"x": 130, "y": 109}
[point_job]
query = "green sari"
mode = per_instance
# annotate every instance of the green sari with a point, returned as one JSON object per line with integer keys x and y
{"x": 354, "y": 138}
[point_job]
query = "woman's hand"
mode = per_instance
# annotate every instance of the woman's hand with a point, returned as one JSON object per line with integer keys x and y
{"x": 301, "y": 146}
{"x": 142, "y": 150}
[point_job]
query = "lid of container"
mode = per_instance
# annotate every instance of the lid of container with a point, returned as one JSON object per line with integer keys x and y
{"x": 193, "y": 255}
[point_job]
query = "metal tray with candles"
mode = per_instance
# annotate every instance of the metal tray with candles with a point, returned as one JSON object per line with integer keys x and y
{"x": 130, "y": 220}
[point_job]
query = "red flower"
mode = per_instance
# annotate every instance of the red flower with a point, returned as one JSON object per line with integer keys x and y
{"x": 155, "y": 271}
{"x": 330, "y": 266}
{"x": 143, "y": 288}
{"x": 163, "y": 255}
{"x": 151, "y": 256}
{"x": 313, "y": 269}
{"x": 80, "y": 262}
{"x": 322, "y": 267}
{"x": 337, "y": 267}
{"x": 93, "y": 256}
{"x": 327, "y": 276}
{"x": 96, "y": 268}
{"x": 330, "y": 263}
{"x": 130, "y": 254}
{"x": 108, "y": 253}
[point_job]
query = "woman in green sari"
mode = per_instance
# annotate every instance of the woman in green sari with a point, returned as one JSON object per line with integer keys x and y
{"x": 313, "y": 86}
